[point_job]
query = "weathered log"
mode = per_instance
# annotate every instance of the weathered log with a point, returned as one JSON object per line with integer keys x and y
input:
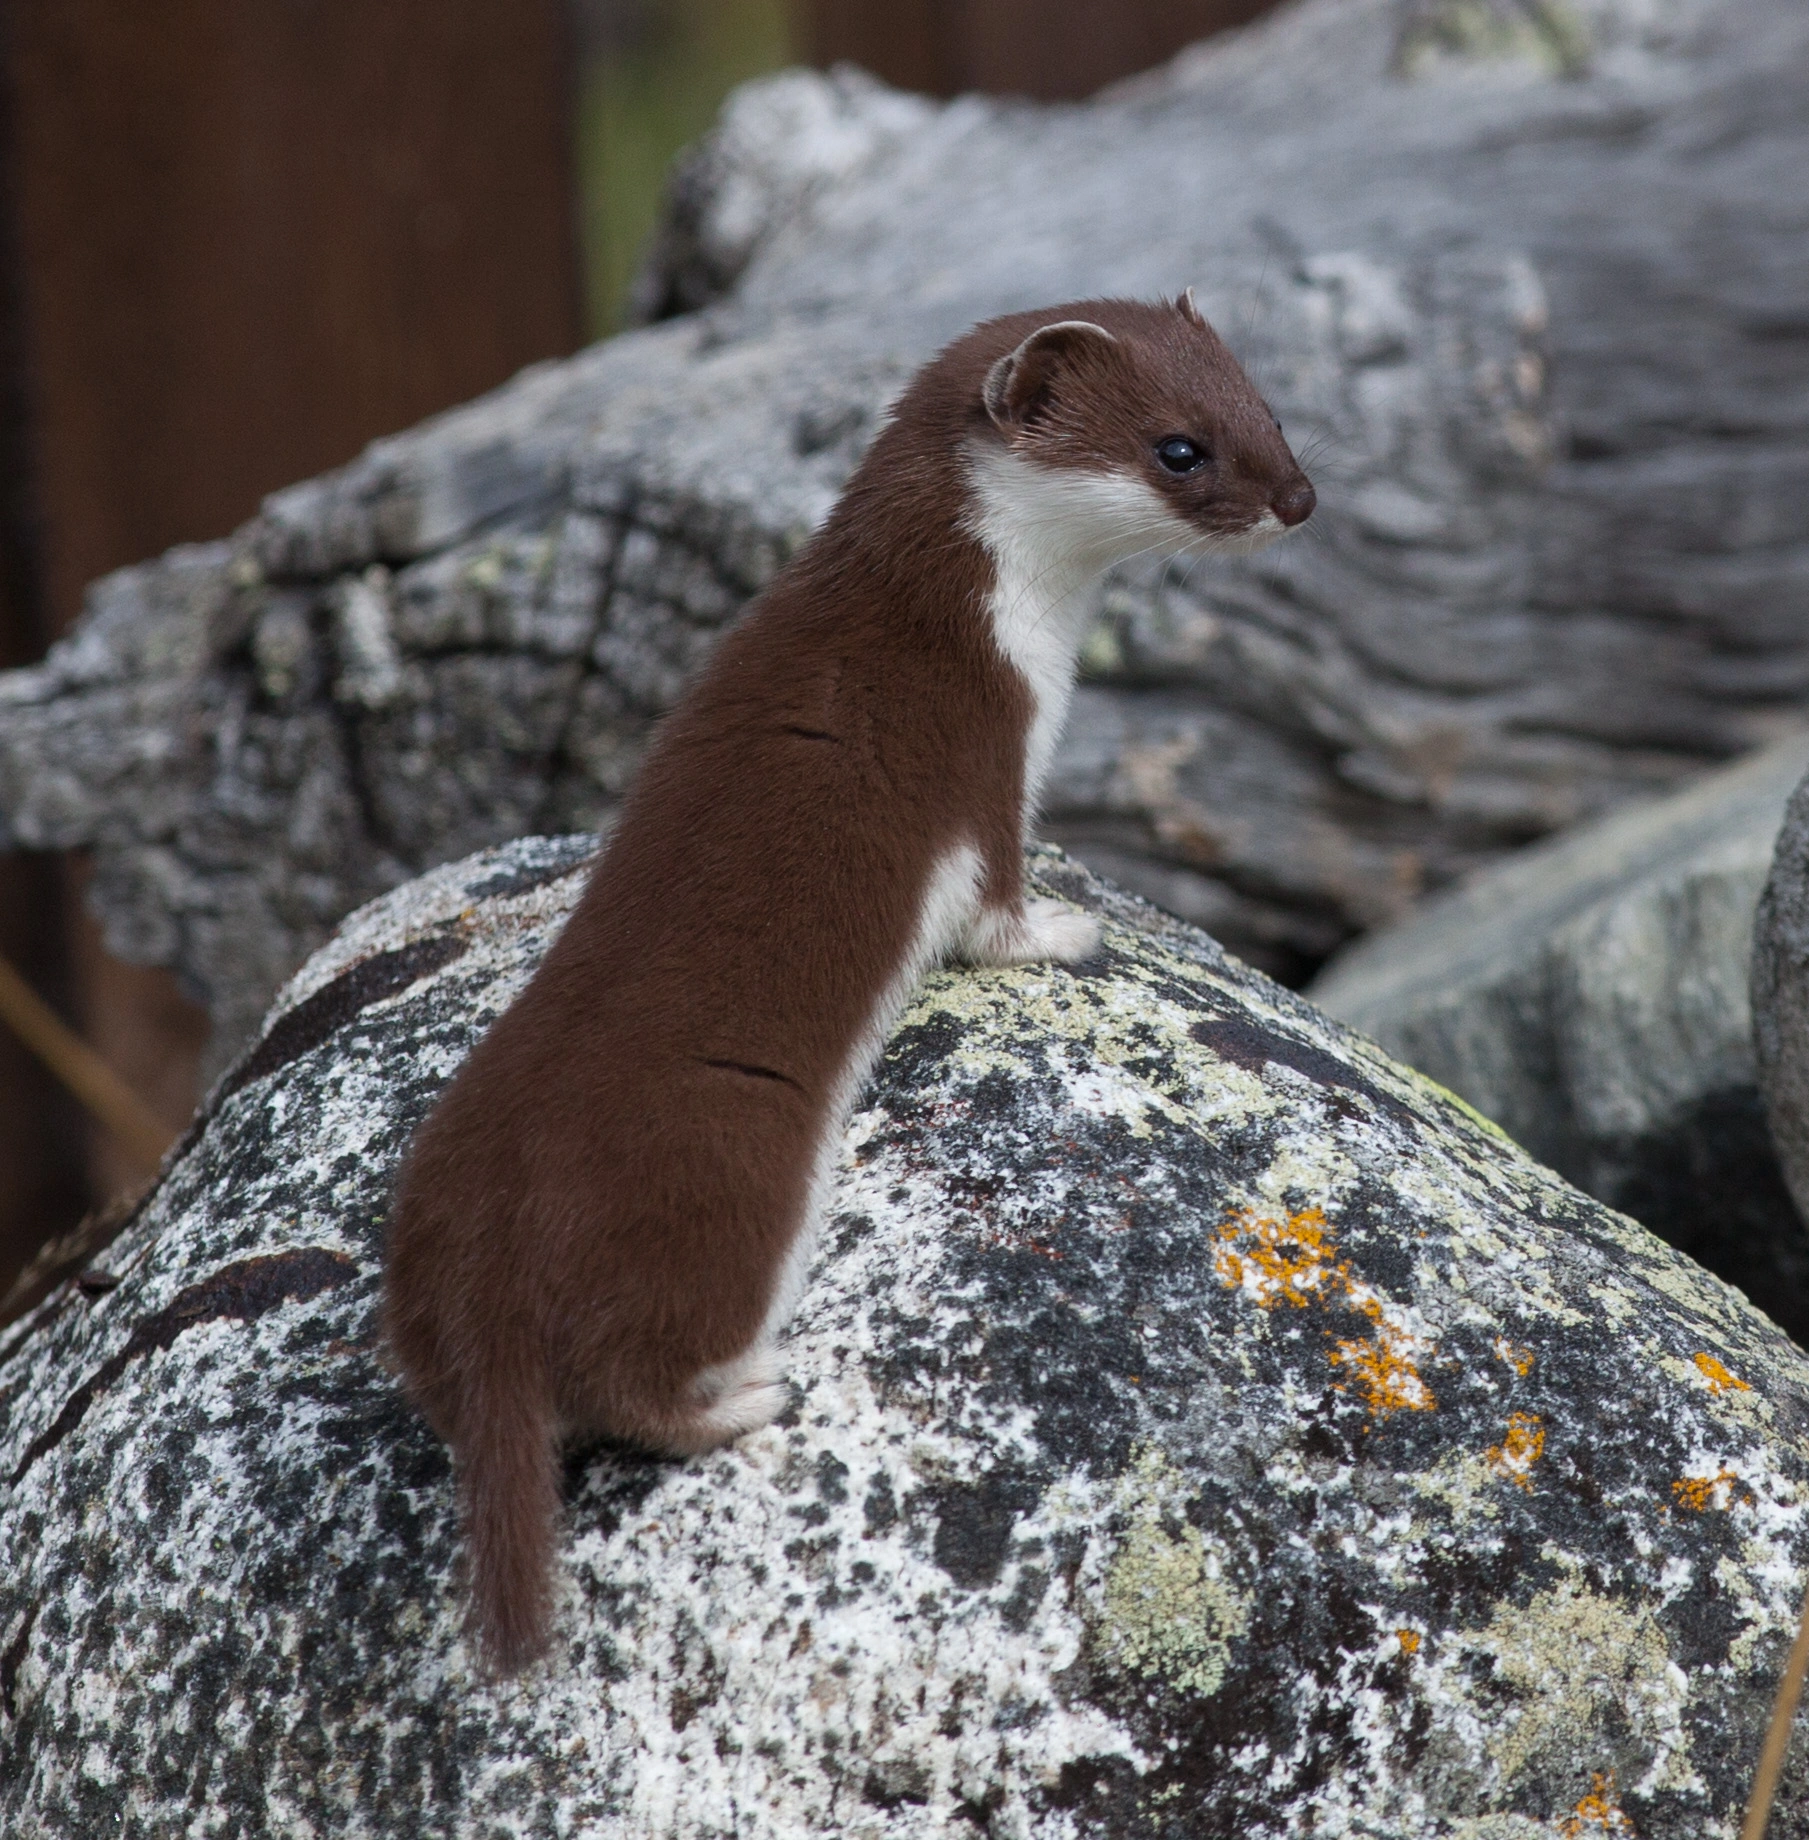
{"x": 1780, "y": 997}
{"x": 1528, "y": 282}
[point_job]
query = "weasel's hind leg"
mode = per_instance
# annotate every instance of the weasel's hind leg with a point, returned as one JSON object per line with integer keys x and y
{"x": 740, "y": 1396}
{"x": 1039, "y": 931}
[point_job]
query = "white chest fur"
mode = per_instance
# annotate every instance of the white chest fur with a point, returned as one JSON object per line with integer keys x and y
{"x": 1051, "y": 533}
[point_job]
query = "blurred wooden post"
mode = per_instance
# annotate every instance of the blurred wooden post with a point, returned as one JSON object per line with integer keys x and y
{"x": 1054, "y": 50}
{"x": 41, "y": 1177}
{"x": 243, "y": 237}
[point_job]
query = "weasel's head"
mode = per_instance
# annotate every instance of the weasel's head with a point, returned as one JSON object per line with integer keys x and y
{"x": 1119, "y": 426}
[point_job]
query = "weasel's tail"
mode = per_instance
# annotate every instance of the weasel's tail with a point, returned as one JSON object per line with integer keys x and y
{"x": 509, "y": 1481}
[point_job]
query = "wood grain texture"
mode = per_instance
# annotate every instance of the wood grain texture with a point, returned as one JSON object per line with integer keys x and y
{"x": 253, "y": 237}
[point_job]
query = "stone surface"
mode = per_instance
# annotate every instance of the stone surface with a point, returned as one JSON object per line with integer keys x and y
{"x": 1591, "y": 998}
{"x": 1202, "y": 1427}
{"x": 1780, "y": 996}
{"x": 1526, "y": 284}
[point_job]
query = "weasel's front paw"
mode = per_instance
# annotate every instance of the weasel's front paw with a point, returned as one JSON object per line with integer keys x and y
{"x": 1032, "y": 935}
{"x": 1052, "y": 930}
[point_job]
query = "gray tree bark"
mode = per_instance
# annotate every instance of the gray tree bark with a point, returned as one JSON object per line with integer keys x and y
{"x": 1529, "y": 284}
{"x": 1780, "y": 997}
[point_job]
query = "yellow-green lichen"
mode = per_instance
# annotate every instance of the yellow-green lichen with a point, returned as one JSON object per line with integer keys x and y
{"x": 1689, "y": 1289}
{"x": 1112, "y": 1022}
{"x": 1544, "y": 35}
{"x": 1573, "y": 1660}
{"x": 1464, "y": 1485}
{"x": 1169, "y": 1613}
{"x": 1432, "y": 1089}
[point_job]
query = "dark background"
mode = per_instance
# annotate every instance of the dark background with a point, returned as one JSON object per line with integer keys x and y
{"x": 241, "y": 238}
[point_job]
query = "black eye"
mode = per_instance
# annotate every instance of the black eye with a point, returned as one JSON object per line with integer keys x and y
{"x": 1179, "y": 454}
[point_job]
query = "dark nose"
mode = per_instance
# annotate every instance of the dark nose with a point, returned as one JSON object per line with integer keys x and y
{"x": 1294, "y": 504}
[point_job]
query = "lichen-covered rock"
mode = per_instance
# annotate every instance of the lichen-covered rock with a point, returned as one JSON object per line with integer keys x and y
{"x": 1514, "y": 276}
{"x": 1202, "y": 1426}
{"x": 1590, "y": 996}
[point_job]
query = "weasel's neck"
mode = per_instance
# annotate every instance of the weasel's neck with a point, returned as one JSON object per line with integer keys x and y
{"x": 1050, "y": 535}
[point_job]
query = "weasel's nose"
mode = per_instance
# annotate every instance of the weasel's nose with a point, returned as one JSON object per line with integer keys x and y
{"x": 1294, "y": 504}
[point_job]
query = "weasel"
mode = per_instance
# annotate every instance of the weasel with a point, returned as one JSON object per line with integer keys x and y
{"x": 605, "y": 1222}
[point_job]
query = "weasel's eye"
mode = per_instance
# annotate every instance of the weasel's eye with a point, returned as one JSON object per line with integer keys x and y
{"x": 1179, "y": 454}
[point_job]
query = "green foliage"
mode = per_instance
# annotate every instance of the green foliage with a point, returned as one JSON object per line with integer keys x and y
{"x": 653, "y": 78}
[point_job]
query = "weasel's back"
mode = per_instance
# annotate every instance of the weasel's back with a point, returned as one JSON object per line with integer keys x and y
{"x": 595, "y": 1228}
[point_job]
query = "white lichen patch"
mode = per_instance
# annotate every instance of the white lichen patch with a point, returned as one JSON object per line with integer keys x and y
{"x": 804, "y": 1686}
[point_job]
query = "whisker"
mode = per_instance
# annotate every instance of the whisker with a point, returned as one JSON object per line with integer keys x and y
{"x": 1162, "y": 541}
{"x": 1260, "y": 366}
{"x": 1161, "y": 538}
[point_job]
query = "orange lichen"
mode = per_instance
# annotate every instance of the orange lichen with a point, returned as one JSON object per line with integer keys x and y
{"x": 1701, "y": 1493}
{"x": 1279, "y": 1261}
{"x": 1519, "y": 1359}
{"x": 1294, "y": 1260}
{"x": 1719, "y": 1379}
{"x": 1383, "y": 1365}
{"x": 1598, "y": 1813}
{"x": 1513, "y": 1458}
{"x": 1409, "y": 1640}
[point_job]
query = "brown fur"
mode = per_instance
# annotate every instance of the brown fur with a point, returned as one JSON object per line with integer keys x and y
{"x": 599, "y": 1210}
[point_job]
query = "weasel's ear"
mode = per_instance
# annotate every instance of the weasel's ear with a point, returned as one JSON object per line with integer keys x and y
{"x": 1189, "y": 310}
{"x": 1020, "y": 384}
